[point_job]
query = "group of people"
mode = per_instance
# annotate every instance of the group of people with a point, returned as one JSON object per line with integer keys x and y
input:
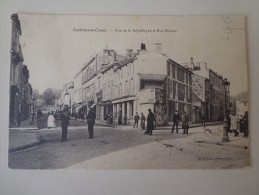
{"x": 185, "y": 122}
{"x": 151, "y": 122}
{"x": 122, "y": 120}
{"x": 238, "y": 124}
{"x": 91, "y": 116}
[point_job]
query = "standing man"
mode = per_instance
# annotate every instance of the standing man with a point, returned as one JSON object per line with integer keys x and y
{"x": 91, "y": 121}
{"x": 245, "y": 124}
{"x": 151, "y": 122}
{"x": 64, "y": 124}
{"x": 120, "y": 118}
{"x": 125, "y": 120}
{"x": 136, "y": 119}
{"x": 185, "y": 123}
{"x": 176, "y": 119}
{"x": 18, "y": 119}
{"x": 203, "y": 119}
{"x": 142, "y": 121}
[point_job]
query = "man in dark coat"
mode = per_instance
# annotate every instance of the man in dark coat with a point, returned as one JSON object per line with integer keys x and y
{"x": 91, "y": 116}
{"x": 203, "y": 120}
{"x": 151, "y": 122}
{"x": 142, "y": 121}
{"x": 176, "y": 119}
{"x": 136, "y": 119}
{"x": 64, "y": 124}
{"x": 245, "y": 124}
{"x": 185, "y": 123}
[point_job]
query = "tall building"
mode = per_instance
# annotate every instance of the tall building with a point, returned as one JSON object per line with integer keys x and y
{"x": 208, "y": 92}
{"x": 20, "y": 88}
{"x": 121, "y": 85}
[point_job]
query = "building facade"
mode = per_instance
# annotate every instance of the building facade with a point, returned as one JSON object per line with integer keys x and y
{"x": 179, "y": 90}
{"x": 20, "y": 88}
{"x": 121, "y": 85}
{"x": 208, "y": 91}
{"x": 66, "y": 96}
{"x": 200, "y": 97}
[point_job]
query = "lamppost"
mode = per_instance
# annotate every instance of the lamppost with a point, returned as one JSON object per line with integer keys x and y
{"x": 225, "y": 85}
{"x": 33, "y": 108}
{"x": 71, "y": 105}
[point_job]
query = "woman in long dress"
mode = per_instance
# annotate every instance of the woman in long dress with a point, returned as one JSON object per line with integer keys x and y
{"x": 234, "y": 124}
{"x": 51, "y": 121}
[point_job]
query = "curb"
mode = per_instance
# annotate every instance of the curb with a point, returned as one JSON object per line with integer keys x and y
{"x": 20, "y": 148}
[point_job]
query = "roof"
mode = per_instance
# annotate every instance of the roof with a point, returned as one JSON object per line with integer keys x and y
{"x": 179, "y": 65}
{"x": 152, "y": 77}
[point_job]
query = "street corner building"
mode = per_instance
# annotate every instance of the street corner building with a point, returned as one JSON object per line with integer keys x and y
{"x": 20, "y": 89}
{"x": 121, "y": 85}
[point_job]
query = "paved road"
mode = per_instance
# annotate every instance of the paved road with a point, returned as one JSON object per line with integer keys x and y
{"x": 55, "y": 154}
{"x": 131, "y": 149}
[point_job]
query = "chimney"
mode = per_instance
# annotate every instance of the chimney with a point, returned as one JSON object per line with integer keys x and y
{"x": 192, "y": 64}
{"x": 142, "y": 49}
{"x": 158, "y": 47}
{"x": 197, "y": 66}
{"x": 143, "y": 46}
{"x": 129, "y": 53}
{"x": 204, "y": 65}
{"x": 105, "y": 57}
{"x": 112, "y": 56}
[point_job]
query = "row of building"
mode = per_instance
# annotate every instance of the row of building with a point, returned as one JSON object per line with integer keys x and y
{"x": 20, "y": 91}
{"x": 121, "y": 85}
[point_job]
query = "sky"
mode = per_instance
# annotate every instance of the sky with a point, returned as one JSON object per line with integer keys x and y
{"x": 55, "y": 50}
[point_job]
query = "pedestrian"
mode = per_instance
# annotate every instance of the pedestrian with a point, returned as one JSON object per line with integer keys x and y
{"x": 234, "y": 124}
{"x": 120, "y": 118}
{"x": 51, "y": 121}
{"x": 18, "y": 119}
{"x": 136, "y": 119}
{"x": 39, "y": 118}
{"x": 241, "y": 126}
{"x": 151, "y": 122}
{"x": 228, "y": 121}
{"x": 64, "y": 124}
{"x": 245, "y": 124}
{"x": 185, "y": 123}
{"x": 91, "y": 116}
{"x": 111, "y": 119}
{"x": 176, "y": 119}
{"x": 203, "y": 120}
{"x": 125, "y": 120}
{"x": 142, "y": 121}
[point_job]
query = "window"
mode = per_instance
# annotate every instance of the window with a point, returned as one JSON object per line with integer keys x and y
{"x": 170, "y": 70}
{"x": 180, "y": 74}
{"x": 132, "y": 85}
{"x": 173, "y": 71}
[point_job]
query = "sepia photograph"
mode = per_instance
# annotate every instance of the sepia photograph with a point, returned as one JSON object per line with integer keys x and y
{"x": 128, "y": 92}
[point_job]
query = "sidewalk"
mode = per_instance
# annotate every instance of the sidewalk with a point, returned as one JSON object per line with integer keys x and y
{"x": 26, "y": 125}
{"x": 168, "y": 127}
{"x": 21, "y": 140}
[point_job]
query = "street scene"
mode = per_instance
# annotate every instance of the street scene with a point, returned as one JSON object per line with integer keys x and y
{"x": 149, "y": 94}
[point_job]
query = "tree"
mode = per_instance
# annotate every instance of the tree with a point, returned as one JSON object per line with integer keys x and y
{"x": 35, "y": 94}
{"x": 50, "y": 95}
{"x": 242, "y": 97}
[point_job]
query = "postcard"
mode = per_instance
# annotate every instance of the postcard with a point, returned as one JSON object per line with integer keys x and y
{"x": 128, "y": 92}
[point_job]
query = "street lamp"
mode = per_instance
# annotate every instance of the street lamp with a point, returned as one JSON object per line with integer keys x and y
{"x": 225, "y": 85}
